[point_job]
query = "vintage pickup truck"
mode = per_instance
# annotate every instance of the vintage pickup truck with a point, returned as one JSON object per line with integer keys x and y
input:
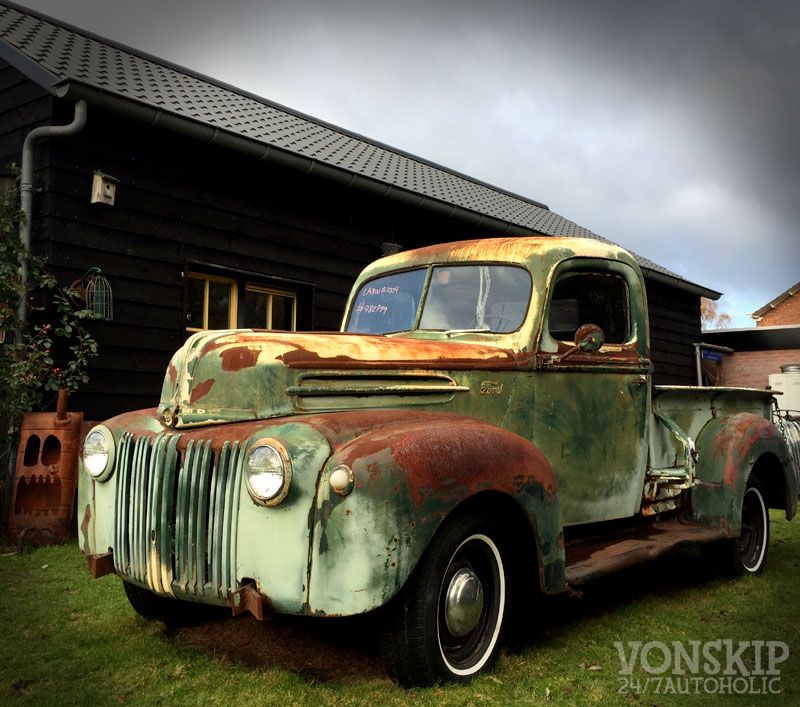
{"x": 482, "y": 430}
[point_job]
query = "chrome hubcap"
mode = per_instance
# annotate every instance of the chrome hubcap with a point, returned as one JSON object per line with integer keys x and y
{"x": 463, "y": 602}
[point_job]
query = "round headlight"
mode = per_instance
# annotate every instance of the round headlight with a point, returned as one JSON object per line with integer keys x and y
{"x": 98, "y": 453}
{"x": 267, "y": 472}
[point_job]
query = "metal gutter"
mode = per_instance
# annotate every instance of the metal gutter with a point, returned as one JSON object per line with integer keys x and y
{"x": 26, "y": 185}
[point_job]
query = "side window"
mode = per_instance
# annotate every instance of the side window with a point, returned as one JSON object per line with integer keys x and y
{"x": 214, "y": 302}
{"x": 269, "y": 308}
{"x": 210, "y": 302}
{"x": 590, "y": 298}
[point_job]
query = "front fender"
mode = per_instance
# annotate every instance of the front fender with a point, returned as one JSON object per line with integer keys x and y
{"x": 408, "y": 478}
{"x": 728, "y": 448}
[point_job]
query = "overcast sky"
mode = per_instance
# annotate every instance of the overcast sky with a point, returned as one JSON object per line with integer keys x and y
{"x": 670, "y": 127}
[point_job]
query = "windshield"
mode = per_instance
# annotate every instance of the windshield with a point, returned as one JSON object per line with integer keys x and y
{"x": 490, "y": 298}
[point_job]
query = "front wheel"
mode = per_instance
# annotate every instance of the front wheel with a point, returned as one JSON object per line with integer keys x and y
{"x": 448, "y": 620}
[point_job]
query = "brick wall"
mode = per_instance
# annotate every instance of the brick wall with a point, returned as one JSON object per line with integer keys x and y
{"x": 787, "y": 312}
{"x": 751, "y": 369}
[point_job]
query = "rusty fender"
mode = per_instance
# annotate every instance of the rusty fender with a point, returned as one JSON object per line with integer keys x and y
{"x": 407, "y": 478}
{"x": 728, "y": 448}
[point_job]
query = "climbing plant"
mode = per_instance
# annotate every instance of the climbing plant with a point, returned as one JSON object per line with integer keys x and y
{"x": 47, "y": 349}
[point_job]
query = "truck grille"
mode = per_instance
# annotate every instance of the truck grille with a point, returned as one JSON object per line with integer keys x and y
{"x": 176, "y": 513}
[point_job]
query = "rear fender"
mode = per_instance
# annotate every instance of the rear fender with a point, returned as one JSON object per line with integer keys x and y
{"x": 407, "y": 479}
{"x": 728, "y": 449}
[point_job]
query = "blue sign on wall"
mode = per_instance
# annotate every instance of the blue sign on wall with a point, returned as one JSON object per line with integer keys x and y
{"x": 712, "y": 355}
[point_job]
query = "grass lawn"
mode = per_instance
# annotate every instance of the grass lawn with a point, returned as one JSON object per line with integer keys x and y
{"x": 70, "y": 640}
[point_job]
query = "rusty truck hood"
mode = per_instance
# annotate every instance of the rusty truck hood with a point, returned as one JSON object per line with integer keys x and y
{"x": 269, "y": 374}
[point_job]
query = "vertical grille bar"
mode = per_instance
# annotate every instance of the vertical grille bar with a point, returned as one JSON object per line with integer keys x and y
{"x": 166, "y": 529}
{"x": 154, "y": 486}
{"x": 231, "y": 496}
{"x": 201, "y": 522}
{"x": 151, "y": 507}
{"x": 190, "y": 518}
{"x": 217, "y": 506}
{"x": 138, "y": 507}
{"x": 181, "y": 516}
{"x": 129, "y": 511}
{"x": 201, "y": 457}
{"x": 232, "y": 516}
{"x": 121, "y": 531}
{"x": 225, "y": 501}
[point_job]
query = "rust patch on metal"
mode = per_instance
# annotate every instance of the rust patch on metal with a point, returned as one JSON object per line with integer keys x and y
{"x": 746, "y": 430}
{"x": 377, "y": 352}
{"x": 201, "y": 389}
{"x": 479, "y": 454}
{"x": 479, "y": 250}
{"x": 618, "y": 354}
{"x": 345, "y": 350}
{"x": 238, "y": 358}
{"x": 87, "y": 517}
{"x": 172, "y": 372}
{"x": 101, "y": 565}
{"x": 248, "y": 598}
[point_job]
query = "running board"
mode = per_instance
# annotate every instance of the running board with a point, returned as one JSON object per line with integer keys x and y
{"x": 595, "y": 557}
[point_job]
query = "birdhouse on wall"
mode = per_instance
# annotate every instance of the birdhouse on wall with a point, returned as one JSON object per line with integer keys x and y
{"x": 104, "y": 189}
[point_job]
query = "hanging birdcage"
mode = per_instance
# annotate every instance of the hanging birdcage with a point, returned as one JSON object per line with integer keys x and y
{"x": 99, "y": 298}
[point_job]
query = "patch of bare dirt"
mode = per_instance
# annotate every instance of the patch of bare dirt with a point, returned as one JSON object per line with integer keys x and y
{"x": 318, "y": 649}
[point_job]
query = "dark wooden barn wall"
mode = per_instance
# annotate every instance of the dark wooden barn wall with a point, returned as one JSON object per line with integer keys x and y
{"x": 23, "y": 106}
{"x": 674, "y": 328}
{"x": 179, "y": 201}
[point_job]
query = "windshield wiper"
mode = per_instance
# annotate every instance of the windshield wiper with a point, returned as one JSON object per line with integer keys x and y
{"x": 450, "y": 332}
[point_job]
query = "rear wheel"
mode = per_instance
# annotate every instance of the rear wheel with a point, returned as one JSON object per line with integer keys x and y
{"x": 746, "y": 554}
{"x": 448, "y": 621}
{"x": 754, "y": 540}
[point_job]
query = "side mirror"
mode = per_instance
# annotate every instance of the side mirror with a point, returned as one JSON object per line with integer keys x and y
{"x": 589, "y": 338}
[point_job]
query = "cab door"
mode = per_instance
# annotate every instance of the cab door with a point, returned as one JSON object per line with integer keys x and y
{"x": 592, "y": 400}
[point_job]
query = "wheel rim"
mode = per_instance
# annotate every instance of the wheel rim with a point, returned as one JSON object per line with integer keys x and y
{"x": 471, "y": 605}
{"x": 752, "y": 541}
{"x": 463, "y": 602}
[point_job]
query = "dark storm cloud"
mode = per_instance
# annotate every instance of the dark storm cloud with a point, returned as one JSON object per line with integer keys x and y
{"x": 668, "y": 127}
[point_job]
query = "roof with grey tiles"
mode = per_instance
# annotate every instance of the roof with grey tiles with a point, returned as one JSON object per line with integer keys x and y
{"x": 59, "y": 57}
